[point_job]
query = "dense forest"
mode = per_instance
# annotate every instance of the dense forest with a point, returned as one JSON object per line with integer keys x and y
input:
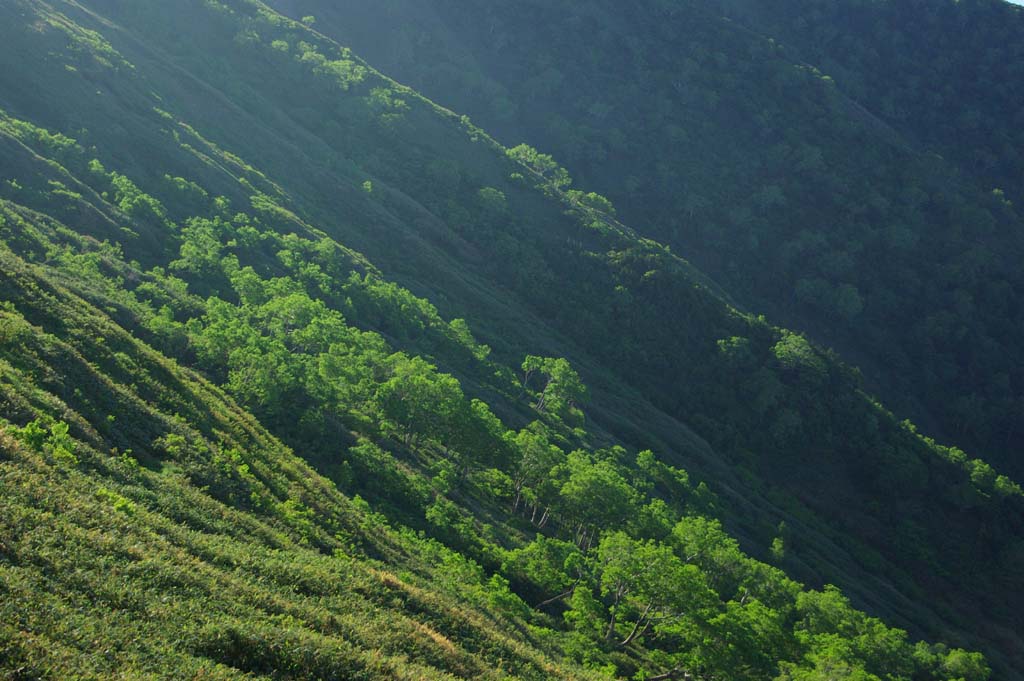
{"x": 850, "y": 168}
{"x": 305, "y": 376}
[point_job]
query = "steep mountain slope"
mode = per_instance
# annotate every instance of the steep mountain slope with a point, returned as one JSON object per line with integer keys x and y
{"x": 952, "y": 85}
{"x": 253, "y": 183}
{"x": 157, "y": 529}
{"x": 793, "y": 153}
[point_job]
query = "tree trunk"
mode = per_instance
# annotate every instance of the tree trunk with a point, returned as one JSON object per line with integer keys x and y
{"x": 636, "y": 627}
{"x": 560, "y": 596}
{"x": 619, "y": 593}
{"x": 611, "y": 627}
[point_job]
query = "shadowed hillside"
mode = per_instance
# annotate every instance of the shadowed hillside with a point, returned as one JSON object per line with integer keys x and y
{"x": 304, "y": 376}
{"x": 850, "y": 168}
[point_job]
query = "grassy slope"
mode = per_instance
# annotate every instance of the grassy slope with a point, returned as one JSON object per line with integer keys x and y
{"x": 136, "y": 519}
{"x": 112, "y": 568}
{"x": 420, "y": 250}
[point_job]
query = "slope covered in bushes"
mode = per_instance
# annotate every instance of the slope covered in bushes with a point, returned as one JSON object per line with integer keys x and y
{"x": 287, "y": 345}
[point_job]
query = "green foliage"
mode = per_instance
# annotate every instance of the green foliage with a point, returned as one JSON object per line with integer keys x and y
{"x": 134, "y": 202}
{"x": 561, "y": 388}
{"x": 850, "y": 184}
{"x": 543, "y": 166}
{"x": 54, "y": 440}
{"x": 278, "y": 373}
{"x": 649, "y": 587}
{"x": 61, "y": 445}
{"x": 593, "y": 496}
{"x": 201, "y": 247}
{"x": 117, "y": 502}
{"x": 33, "y": 435}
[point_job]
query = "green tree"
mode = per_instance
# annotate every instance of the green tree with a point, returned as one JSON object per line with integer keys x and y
{"x": 594, "y": 495}
{"x": 650, "y": 589}
{"x": 561, "y": 387}
{"x": 541, "y": 165}
{"x": 419, "y": 402}
{"x": 536, "y": 456}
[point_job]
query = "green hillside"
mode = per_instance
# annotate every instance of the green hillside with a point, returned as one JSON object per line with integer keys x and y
{"x": 955, "y": 91}
{"x": 304, "y": 376}
{"x": 850, "y": 168}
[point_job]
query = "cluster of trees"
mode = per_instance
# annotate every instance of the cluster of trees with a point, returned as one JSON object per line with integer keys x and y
{"x": 169, "y": 574}
{"x": 620, "y": 558}
{"x": 936, "y": 86}
{"x": 624, "y": 569}
{"x": 801, "y": 189}
{"x": 682, "y": 591}
{"x": 370, "y": 383}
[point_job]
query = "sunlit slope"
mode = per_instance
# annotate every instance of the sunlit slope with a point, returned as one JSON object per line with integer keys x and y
{"x": 250, "y": 166}
{"x": 153, "y": 527}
